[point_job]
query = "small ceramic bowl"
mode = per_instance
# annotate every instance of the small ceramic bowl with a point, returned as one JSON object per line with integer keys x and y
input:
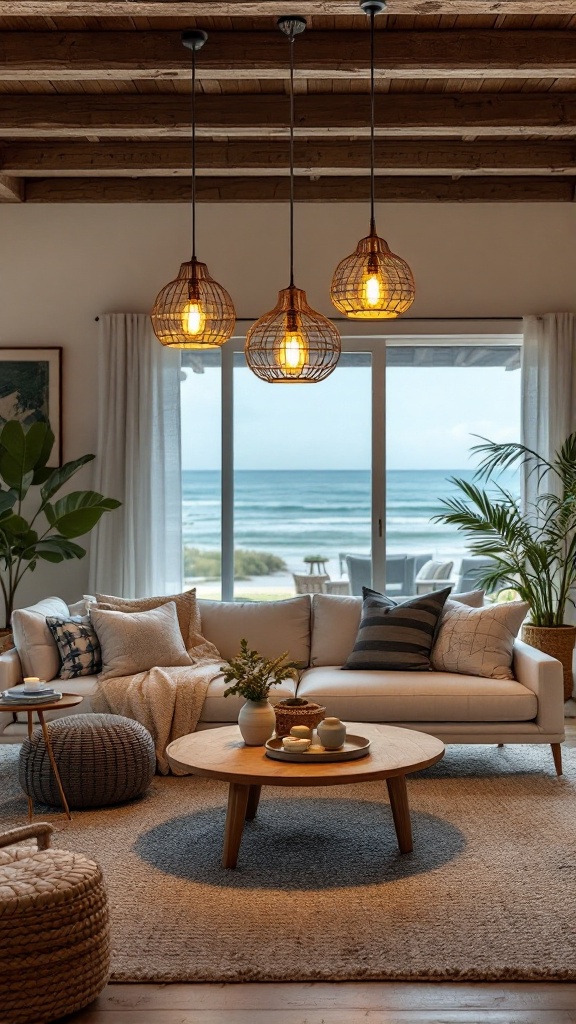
{"x": 295, "y": 745}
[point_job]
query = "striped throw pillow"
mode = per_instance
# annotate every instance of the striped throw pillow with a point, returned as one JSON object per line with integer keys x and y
{"x": 78, "y": 646}
{"x": 397, "y": 636}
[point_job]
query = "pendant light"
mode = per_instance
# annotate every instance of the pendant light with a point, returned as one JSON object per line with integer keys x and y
{"x": 194, "y": 311}
{"x": 292, "y": 343}
{"x": 373, "y": 283}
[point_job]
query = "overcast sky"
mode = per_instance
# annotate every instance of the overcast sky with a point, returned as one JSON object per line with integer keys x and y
{"x": 431, "y": 414}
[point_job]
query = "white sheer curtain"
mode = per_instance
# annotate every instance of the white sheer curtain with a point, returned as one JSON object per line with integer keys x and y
{"x": 548, "y": 386}
{"x": 548, "y": 394}
{"x": 137, "y": 550}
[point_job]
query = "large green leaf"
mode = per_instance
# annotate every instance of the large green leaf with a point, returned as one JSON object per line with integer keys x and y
{"x": 79, "y": 512}
{"x": 56, "y": 549}
{"x": 20, "y": 452}
{"x": 7, "y": 501}
{"x": 14, "y": 525}
{"x": 60, "y": 476}
{"x": 41, "y": 473}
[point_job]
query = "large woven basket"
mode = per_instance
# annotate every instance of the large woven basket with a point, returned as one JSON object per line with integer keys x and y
{"x": 54, "y": 931}
{"x": 558, "y": 642}
{"x": 304, "y": 714}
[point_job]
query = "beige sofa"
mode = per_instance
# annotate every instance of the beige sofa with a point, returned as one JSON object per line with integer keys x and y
{"x": 318, "y": 632}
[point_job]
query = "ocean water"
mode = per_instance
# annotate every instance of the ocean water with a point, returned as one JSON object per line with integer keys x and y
{"x": 296, "y": 513}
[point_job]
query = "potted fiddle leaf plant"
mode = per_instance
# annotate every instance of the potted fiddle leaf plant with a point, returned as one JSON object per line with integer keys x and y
{"x": 533, "y": 550}
{"x": 34, "y": 526}
{"x": 252, "y": 676}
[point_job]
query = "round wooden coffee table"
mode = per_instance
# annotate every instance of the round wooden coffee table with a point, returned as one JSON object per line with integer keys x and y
{"x": 68, "y": 700}
{"x": 222, "y": 754}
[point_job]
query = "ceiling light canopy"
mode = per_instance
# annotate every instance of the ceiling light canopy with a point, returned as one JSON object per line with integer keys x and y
{"x": 194, "y": 311}
{"x": 373, "y": 283}
{"x": 292, "y": 343}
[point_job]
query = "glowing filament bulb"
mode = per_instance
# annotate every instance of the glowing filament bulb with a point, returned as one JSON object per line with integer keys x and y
{"x": 293, "y": 353}
{"x": 193, "y": 318}
{"x": 373, "y": 290}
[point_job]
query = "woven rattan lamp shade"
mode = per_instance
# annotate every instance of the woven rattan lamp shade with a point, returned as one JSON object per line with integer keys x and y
{"x": 373, "y": 283}
{"x": 194, "y": 311}
{"x": 292, "y": 343}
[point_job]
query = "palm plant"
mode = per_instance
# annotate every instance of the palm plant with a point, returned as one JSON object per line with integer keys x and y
{"x": 533, "y": 551}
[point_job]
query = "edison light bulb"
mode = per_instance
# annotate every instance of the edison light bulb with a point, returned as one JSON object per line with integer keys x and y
{"x": 293, "y": 353}
{"x": 373, "y": 290}
{"x": 193, "y": 318}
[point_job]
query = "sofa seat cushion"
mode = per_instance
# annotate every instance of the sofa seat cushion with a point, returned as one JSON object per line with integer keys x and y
{"x": 372, "y": 696}
{"x": 218, "y": 708}
{"x": 270, "y": 627}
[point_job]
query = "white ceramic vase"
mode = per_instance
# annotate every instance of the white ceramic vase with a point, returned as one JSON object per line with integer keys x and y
{"x": 257, "y": 722}
{"x": 331, "y": 733}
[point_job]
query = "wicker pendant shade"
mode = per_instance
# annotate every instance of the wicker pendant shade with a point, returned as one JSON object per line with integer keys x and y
{"x": 194, "y": 311}
{"x": 373, "y": 283}
{"x": 292, "y": 343}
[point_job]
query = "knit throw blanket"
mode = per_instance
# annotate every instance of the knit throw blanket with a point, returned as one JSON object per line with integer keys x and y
{"x": 167, "y": 701}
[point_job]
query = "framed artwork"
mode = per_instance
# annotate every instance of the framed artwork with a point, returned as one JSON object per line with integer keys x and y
{"x": 31, "y": 390}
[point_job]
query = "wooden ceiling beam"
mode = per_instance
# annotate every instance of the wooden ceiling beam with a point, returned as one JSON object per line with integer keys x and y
{"x": 269, "y": 8}
{"x": 325, "y": 190}
{"x": 11, "y": 189}
{"x": 334, "y": 157}
{"x": 264, "y": 116}
{"x": 56, "y": 56}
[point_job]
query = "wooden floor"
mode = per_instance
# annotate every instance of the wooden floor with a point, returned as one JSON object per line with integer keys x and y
{"x": 338, "y": 1003}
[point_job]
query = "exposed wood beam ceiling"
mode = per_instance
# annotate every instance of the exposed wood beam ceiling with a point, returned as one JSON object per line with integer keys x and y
{"x": 263, "y": 8}
{"x": 476, "y": 101}
{"x": 245, "y": 56}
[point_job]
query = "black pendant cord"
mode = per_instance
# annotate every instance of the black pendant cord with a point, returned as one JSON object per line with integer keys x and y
{"x": 291, "y": 40}
{"x": 372, "y": 120}
{"x": 193, "y": 154}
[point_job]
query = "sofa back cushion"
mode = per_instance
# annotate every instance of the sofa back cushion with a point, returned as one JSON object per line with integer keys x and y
{"x": 270, "y": 627}
{"x": 335, "y": 622}
{"x": 34, "y": 641}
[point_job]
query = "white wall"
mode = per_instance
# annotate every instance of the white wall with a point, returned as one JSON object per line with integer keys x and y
{"x": 62, "y": 265}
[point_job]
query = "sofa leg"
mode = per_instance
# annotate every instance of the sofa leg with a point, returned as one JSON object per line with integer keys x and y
{"x": 500, "y": 744}
{"x": 557, "y": 755}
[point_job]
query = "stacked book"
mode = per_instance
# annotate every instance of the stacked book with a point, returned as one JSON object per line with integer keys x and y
{"x": 19, "y": 695}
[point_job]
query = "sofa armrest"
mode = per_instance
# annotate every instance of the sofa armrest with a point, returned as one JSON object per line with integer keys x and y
{"x": 544, "y": 676}
{"x": 10, "y": 669}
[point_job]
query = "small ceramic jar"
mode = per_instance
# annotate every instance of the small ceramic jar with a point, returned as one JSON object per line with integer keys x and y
{"x": 295, "y": 745}
{"x": 331, "y": 733}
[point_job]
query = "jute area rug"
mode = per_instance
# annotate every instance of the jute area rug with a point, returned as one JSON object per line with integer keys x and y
{"x": 321, "y": 892}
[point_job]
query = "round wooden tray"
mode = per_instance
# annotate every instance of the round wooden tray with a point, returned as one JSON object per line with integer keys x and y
{"x": 354, "y": 748}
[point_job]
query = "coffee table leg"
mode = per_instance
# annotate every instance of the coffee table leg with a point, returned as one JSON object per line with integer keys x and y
{"x": 53, "y": 763}
{"x": 400, "y": 812}
{"x": 235, "y": 817}
{"x": 253, "y": 801}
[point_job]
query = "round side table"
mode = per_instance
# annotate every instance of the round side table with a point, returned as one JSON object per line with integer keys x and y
{"x": 68, "y": 700}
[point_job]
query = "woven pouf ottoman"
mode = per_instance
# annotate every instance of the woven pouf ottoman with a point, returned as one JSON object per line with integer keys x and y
{"x": 102, "y": 760}
{"x": 54, "y": 930}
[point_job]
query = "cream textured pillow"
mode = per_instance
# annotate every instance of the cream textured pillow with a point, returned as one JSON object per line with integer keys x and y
{"x": 186, "y": 609}
{"x": 138, "y": 641}
{"x": 34, "y": 642}
{"x": 478, "y": 641}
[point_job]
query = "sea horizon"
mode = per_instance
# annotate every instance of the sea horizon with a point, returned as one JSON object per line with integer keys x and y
{"x": 294, "y": 513}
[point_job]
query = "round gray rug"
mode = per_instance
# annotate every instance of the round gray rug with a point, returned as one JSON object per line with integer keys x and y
{"x": 321, "y": 892}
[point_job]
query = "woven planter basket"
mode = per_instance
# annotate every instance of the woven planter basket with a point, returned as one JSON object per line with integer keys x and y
{"x": 287, "y": 716}
{"x": 558, "y": 641}
{"x": 54, "y": 930}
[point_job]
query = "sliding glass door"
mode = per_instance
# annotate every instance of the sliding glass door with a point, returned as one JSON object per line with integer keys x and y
{"x": 302, "y": 478}
{"x": 284, "y": 484}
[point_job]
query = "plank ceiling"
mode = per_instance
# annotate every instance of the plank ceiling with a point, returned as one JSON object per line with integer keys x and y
{"x": 476, "y": 101}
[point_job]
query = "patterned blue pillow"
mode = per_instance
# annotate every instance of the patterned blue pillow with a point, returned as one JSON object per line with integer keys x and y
{"x": 78, "y": 646}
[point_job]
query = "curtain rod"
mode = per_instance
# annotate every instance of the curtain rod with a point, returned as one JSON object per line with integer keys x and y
{"x": 404, "y": 319}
